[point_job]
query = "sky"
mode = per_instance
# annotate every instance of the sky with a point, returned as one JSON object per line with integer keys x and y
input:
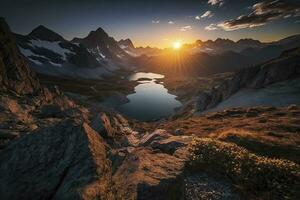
{"x": 158, "y": 23}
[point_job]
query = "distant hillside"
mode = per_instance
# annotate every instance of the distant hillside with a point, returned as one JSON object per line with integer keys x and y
{"x": 211, "y": 57}
{"x": 275, "y": 82}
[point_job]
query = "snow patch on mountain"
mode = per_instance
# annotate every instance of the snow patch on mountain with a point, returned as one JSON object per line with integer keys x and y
{"x": 34, "y": 57}
{"x": 97, "y": 52}
{"x": 76, "y": 43}
{"x": 132, "y": 53}
{"x": 55, "y": 64}
{"x": 35, "y": 61}
{"x": 29, "y": 54}
{"x": 123, "y": 46}
{"x": 52, "y": 46}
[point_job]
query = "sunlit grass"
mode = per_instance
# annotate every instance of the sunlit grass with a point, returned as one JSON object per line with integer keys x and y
{"x": 262, "y": 177}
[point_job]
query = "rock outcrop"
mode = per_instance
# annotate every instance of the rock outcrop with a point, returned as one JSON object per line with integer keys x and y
{"x": 24, "y": 103}
{"x": 64, "y": 161}
{"x": 284, "y": 68}
{"x": 15, "y": 74}
{"x": 146, "y": 174}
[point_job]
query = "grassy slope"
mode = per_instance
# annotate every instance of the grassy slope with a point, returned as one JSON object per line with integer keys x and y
{"x": 256, "y": 148}
{"x": 255, "y": 177}
{"x": 266, "y": 131}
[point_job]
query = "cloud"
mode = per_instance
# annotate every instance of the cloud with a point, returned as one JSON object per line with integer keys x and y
{"x": 207, "y": 14}
{"x": 155, "y": 21}
{"x": 211, "y": 27}
{"x": 262, "y": 13}
{"x": 171, "y": 22}
{"x": 185, "y": 28}
{"x": 216, "y": 2}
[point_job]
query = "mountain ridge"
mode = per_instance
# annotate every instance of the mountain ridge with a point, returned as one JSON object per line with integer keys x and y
{"x": 49, "y": 53}
{"x": 285, "y": 67}
{"x": 44, "y": 33}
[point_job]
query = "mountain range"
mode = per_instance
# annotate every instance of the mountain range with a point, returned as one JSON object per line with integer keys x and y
{"x": 91, "y": 57}
{"x": 99, "y": 54}
{"x": 219, "y": 56}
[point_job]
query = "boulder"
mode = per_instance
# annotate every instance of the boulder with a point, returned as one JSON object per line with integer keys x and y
{"x": 63, "y": 161}
{"x": 148, "y": 175}
{"x": 114, "y": 128}
{"x": 157, "y": 135}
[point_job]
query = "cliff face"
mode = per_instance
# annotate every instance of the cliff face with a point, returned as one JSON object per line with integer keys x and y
{"x": 14, "y": 71}
{"x": 285, "y": 67}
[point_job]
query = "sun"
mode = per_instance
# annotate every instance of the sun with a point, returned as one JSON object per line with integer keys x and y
{"x": 177, "y": 45}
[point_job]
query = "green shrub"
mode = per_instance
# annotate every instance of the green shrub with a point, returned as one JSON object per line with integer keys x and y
{"x": 261, "y": 176}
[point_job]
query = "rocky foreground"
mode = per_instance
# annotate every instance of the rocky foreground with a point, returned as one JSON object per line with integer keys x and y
{"x": 85, "y": 156}
{"x": 52, "y": 148}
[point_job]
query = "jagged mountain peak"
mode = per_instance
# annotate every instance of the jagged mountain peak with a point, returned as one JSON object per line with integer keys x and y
{"x": 95, "y": 38}
{"x": 126, "y": 40}
{"x": 94, "y": 35}
{"x": 223, "y": 41}
{"x": 43, "y": 33}
{"x": 126, "y": 43}
{"x": 100, "y": 30}
{"x": 98, "y": 33}
{"x": 248, "y": 41}
{"x": 100, "y": 44}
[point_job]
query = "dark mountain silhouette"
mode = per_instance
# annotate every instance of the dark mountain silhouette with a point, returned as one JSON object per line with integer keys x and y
{"x": 43, "y": 33}
{"x": 100, "y": 43}
{"x": 15, "y": 74}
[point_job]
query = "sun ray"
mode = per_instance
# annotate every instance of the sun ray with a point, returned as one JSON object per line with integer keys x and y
{"x": 177, "y": 45}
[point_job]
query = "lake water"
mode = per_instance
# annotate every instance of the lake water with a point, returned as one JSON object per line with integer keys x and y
{"x": 151, "y": 100}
